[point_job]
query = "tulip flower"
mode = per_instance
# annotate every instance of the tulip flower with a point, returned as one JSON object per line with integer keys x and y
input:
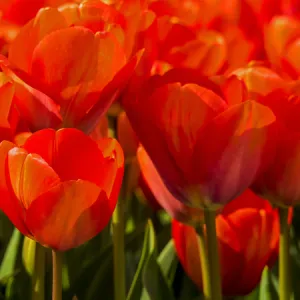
{"x": 60, "y": 188}
{"x": 177, "y": 117}
{"x": 74, "y": 86}
{"x": 282, "y": 40}
{"x": 243, "y": 222}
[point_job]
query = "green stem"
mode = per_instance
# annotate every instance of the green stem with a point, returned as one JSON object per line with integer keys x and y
{"x": 57, "y": 258}
{"x": 204, "y": 264}
{"x": 213, "y": 255}
{"x": 119, "y": 251}
{"x": 38, "y": 276}
{"x": 284, "y": 256}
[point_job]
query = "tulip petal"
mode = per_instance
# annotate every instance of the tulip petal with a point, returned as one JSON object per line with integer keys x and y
{"x": 18, "y": 11}
{"x": 280, "y": 182}
{"x": 127, "y": 136}
{"x": 207, "y": 53}
{"x": 187, "y": 248}
{"x": 36, "y": 108}
{"x": 8, "y": 203}
{"x": 254, "y": 254}
{"x": 69, "y": 215}
{"x": 118, "y": 83}
{"x": 70, "y": 79}
{"x": 30, "y": 176}
{"x": 260, "y": 80}
{"x": 223, "y": 168}
{"x": 61, "y": 75}
{"x": 71, "y": 153}
{"x": 234, "y": 90}
{"x": 173, "y": 206}
{"x": 172, "y": 117}
{"x": 112, "y": 169}
{"x": 46, "y": 21}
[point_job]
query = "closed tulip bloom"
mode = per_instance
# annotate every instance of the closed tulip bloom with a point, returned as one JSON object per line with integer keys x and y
{"x": 282, "y": 42}
{"x": 61, "y": 187}
{"x": 243, "y": 222}
{"x": 206, "y": 151}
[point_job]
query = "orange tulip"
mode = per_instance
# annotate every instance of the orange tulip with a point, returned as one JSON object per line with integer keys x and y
{"x": 243, "y": 222}
{"x": 177, "y": 118}
{"x": 51, "y": 90}
{"x": 60, "y": 188}
{"x": 282, "y": 44}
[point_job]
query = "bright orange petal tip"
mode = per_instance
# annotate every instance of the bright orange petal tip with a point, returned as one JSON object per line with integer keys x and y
{"x": 42, "y": 183}
{"x": 260, "y": 80}
{"x": 243, "y": 221}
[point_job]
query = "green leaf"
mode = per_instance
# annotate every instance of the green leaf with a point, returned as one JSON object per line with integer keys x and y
{"x": 168, "y": 261}
{"x": 103, "y": 275}
{"x": 186, "y": 288}
{"x": 267, "y": 290}
{"x": 7, "y": 268}
{"x": 254, "y": 295}
{"x": 28, "y": 254}
{"x": 86, "y": 278}
{"x": 156, "y": 285}
{"x": 137, "y": 286}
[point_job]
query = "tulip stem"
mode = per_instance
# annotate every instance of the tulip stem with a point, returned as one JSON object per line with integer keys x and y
{"x": 213, "y": 255}
{"x": 204, "y": 264}
{"x": 284, "y": 256}
{"x": 57, "y": 258}
{"x": 38, "y": 276}
{"x": 119, "y": 251}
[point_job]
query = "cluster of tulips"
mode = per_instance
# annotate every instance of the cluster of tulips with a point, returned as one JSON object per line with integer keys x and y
{"x": 192, "y": 104}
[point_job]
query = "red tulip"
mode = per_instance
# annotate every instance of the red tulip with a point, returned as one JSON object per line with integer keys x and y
{"x": 243, "y": 222}
{"x": 282, "y": 40}
{"x": 60, "y": 188}
{"x": 177, "y": 120}
{"x": 65, "y": 88}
